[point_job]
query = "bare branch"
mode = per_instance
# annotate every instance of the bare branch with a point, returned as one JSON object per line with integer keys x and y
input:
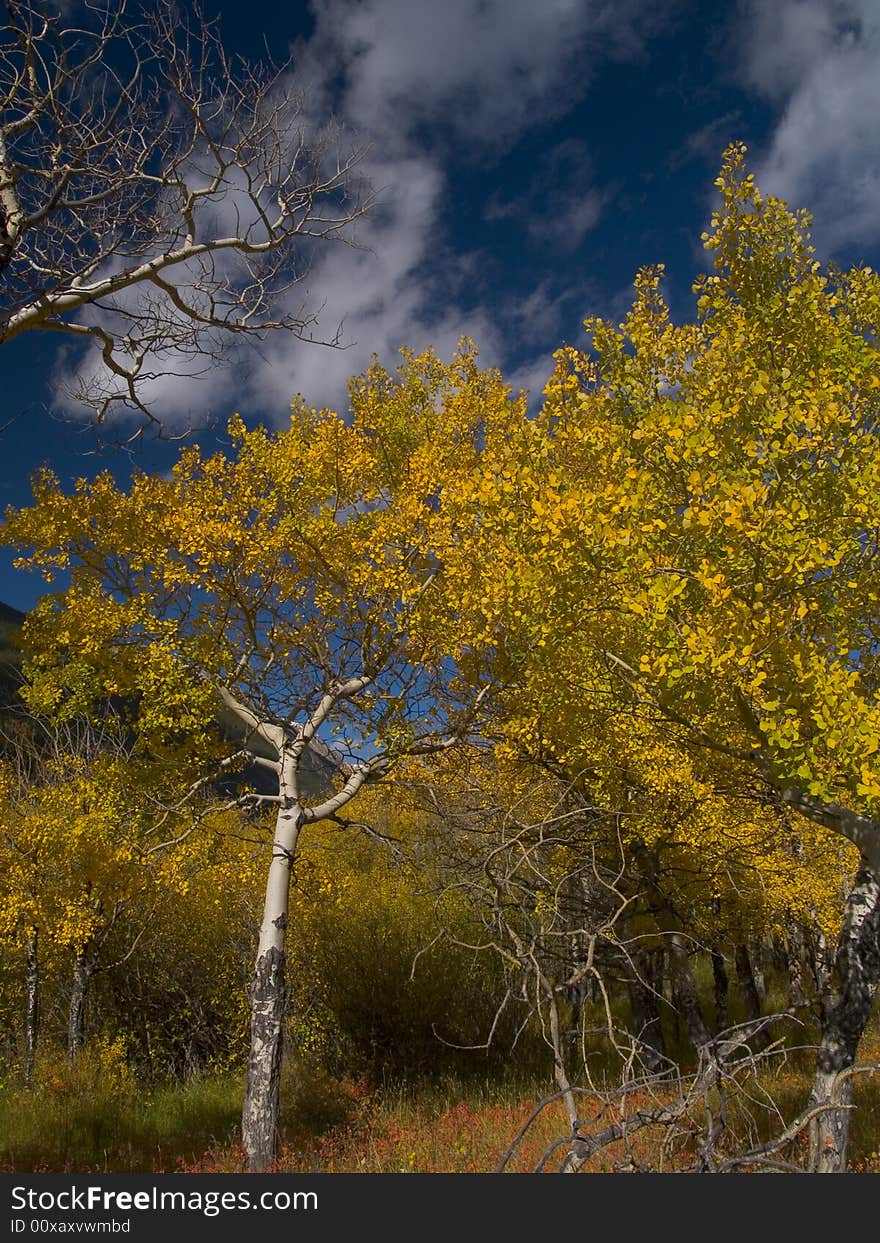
{"x": 158, "y": 198}
{"x": 365, "y": 772}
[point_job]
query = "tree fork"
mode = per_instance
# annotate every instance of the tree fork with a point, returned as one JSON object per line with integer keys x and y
{"x": 793, "y": 950}
{"x": 686, "y": 999}
{"x": 684, "y": 989}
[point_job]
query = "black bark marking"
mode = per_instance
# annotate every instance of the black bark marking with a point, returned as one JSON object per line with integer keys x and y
{"x": 83, "y": 968}
{"x": 857, "y": 971}
{"x": 261, "y": 1103}
{"x": 32, "y": 1020}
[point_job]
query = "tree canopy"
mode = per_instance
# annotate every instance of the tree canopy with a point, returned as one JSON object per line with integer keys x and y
{"x": 659, "y": 591}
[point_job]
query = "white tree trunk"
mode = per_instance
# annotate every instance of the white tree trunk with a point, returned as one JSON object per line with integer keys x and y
{"x": 857, "y": 968}
{"x": 259, "y": 1122}
{"x": 83, "y": 969}
{"x": 32, "y": 1018}
{"x": 794, "y": 958}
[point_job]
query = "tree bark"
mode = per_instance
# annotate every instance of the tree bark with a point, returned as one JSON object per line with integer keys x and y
{"x": 857, "y": 971}
{"x": 684, "y": 989}
{"x": 749, "y": 991}
{"x": 794, "y": 964}
{"x": 757, "y": 960}
{"x": 822, "y": 970}
{"x": 259, "y": 1122}
{"x": 721, "y": 990}
{"x": 83, "y": 968}
{"x": 32, "y": 1017}
{"x": 647, "y": 1027}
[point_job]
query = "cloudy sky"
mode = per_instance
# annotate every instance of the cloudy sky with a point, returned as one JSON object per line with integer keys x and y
{"x": 530, "y": 156}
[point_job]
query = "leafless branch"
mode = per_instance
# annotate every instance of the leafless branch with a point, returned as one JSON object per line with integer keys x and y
{"x": 159, "y": 198}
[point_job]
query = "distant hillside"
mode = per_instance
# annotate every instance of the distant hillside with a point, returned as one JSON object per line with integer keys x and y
{"x": 10, "y": 616}
{"x": 10, "y": 657}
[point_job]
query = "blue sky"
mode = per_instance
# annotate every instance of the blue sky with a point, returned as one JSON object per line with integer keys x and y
{"x": 531, "y": 155}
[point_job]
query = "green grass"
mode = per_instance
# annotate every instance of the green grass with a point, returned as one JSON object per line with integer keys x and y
{"x": 76, "y": 1118}
{"x": 94, "y": 1117}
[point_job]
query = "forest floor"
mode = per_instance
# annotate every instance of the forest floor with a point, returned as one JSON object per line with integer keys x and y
{"x": 94, "y": 1118}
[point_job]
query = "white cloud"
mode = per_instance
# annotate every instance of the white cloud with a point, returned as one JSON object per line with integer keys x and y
{"x": 819, "y": 60}
{"x": 375, "y": 294}
{"x": 561, "y": 204}
{"x": 708, "y": 142}
{"x": 532, "y": 376}
{"x": 425, "y": 82}
{"x": 483, "y": 69}
{"x": 548, "y": 311}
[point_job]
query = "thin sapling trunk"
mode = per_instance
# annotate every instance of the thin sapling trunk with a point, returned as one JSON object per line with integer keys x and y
{"x": 259, "y": 1123}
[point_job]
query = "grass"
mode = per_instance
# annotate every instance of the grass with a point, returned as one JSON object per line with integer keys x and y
{"x": 76, "y": 1119}
{"x": 467, "y": 1130}
{"x": 94, "y": 1117}
{"x": 454, "y": 1127}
